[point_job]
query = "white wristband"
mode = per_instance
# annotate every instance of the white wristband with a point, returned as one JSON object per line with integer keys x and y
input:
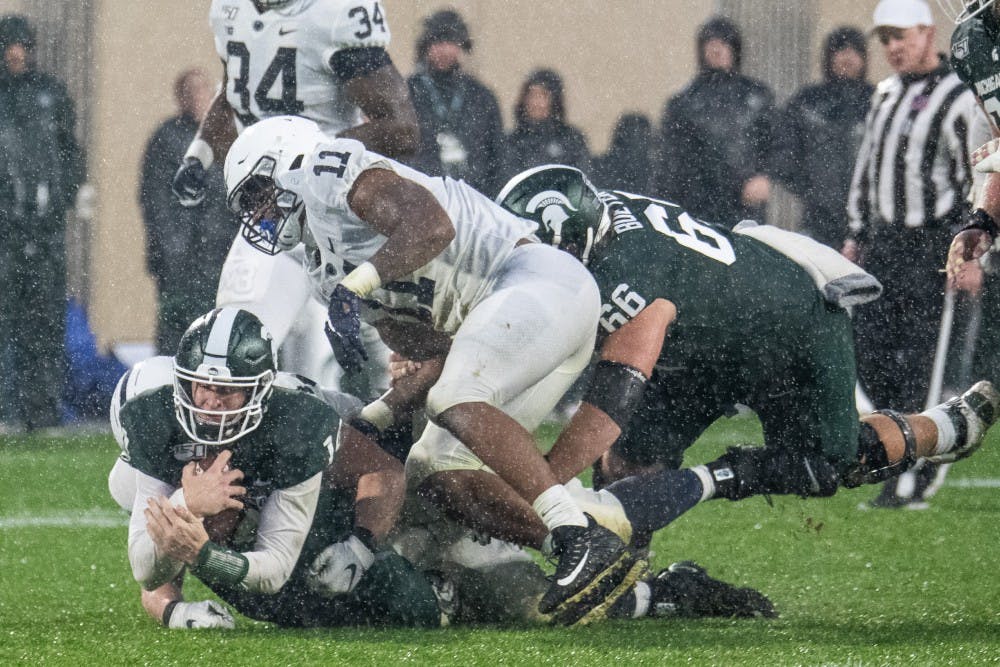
{"x": 200, "y": 150}
{"x": 378, "y": 414}
{"x": 362, "y": 280}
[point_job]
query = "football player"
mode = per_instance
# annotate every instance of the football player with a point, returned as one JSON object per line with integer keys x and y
{"x": 696, "y": 318}
{"x": 324, "y": 60}
{"x": 974, "y": 45}
{"x": 444, "y": 272}
{"x": 215, "y": 440}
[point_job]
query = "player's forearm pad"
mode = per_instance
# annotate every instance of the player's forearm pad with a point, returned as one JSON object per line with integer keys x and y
{"x": 616, "y": 389}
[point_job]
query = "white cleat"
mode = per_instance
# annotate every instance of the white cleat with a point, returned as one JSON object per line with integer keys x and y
{"x": 972, "y": 413}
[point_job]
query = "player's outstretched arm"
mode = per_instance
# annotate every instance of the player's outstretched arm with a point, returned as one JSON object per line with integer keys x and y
{"x": 615, "y": 391}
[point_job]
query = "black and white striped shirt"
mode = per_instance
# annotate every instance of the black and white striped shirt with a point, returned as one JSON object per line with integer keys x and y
{"x": 913, "y": 165}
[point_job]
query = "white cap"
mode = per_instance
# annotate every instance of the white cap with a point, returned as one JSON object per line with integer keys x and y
{"x": 902, "y": 14}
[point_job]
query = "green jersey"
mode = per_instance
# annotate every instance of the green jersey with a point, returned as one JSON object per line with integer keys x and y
{"x": 732, "y": 292}
{"x": 751, "y": 328}
{"x": 975, "y": 57}
{"x": 293, "y": 442}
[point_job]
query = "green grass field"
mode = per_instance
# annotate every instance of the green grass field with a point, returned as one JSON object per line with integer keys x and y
{"x": 853, "y": 587}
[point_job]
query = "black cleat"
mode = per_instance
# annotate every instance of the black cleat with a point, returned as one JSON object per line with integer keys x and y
{"x": 685, "y": 590}
{"x": 594, "y": 569}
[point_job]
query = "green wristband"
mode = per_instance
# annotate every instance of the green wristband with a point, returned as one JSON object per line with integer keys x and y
{"x": 219, "y": 565}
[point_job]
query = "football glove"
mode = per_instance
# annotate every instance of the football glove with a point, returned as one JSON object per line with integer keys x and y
{"x": 338, "y": 568}
{"x": 343, "y": 329}
{"x": 189, "y": 182}
{"x": 199, "y": 615}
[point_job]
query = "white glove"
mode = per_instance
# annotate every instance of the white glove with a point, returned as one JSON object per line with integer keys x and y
{"x": 339, "y": 567}
{"x": 198, "y": 615}
{"x": 986, "y": 158}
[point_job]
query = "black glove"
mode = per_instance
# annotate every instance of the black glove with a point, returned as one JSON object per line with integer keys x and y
{"x": 343, "y": 329}
{"x": 189, "y": 182}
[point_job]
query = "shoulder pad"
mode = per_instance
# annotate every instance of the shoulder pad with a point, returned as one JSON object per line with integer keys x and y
{"x": 147, "y": 375}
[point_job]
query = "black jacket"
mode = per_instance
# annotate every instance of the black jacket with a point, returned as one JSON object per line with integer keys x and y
{"x": 715, "y": 135}
{"x": 45, "y": 165}
{"x": 185, "y": 247}
{"x": 457, "y": 105}
{"x": 547, "y": 142}
{"x": 815, "y": 145}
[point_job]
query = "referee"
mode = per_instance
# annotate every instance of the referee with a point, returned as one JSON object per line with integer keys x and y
{"x": 908, "y": 195}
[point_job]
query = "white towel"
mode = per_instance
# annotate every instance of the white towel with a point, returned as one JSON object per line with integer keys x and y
{"x": 839, "y": 280}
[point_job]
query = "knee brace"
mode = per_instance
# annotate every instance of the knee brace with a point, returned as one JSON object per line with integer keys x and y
{"x": 873, "y": 465}
{"x": 750, "y": 471}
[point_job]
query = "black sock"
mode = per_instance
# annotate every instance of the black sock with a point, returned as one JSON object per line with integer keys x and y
{"x": 653, "y": 501}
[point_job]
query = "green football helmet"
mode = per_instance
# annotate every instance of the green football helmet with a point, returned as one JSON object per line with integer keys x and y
{"x": 564, "y": 203}
{"x": 227, "y": 347}
{"x": 961, "y": 11}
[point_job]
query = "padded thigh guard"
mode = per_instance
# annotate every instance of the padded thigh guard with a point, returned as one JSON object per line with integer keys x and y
{"x": 752, "y": 471}
{"x": 873, "y": 463}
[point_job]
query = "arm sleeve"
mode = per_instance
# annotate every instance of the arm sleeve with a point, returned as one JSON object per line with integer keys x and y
{"x": 150, "y": 567}
{"x": 857, "y": 197}
{"x": 69, "y": 149}
{"x": 285, "y": 520}
{"x": 786, "y": 150}
{"x": 762, "y": 135}
{"x": 350, "y": 64}
{"x": 154, "y": 190}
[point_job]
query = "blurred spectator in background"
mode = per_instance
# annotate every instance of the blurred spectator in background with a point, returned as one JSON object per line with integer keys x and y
{"x": 42, "y": 172}
{"x": 185, "y": 245}
{"x": 628, "y": 164}
{"x": 716, "y": 134}
{"x": 461, "y": 132}
{"x": 541, "y": 134}
{"x": 817, "y": 137}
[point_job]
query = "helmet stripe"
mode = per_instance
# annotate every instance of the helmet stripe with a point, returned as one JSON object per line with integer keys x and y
{"x": 218, "y": 337}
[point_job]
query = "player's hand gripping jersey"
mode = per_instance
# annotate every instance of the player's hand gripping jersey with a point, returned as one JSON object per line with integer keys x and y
{"x": 442, "y": 292}
{"x": 278, "y": 62}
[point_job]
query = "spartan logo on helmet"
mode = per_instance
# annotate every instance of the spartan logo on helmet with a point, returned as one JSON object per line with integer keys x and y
{"x": 555, "y": 210}
{"x": 564, "y": 203}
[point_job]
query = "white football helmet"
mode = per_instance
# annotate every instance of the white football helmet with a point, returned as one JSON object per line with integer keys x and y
{"x": 963, "y": 10}
{"x": 263, "y": 173}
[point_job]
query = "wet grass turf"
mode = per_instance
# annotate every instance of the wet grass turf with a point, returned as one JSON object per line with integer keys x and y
{"x": 853, "y": 587}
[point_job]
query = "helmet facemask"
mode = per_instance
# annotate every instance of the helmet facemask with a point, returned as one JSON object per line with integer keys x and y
{"x": 269, "y": 215}
{"x": 961, "y": 11}
{"x": 219, "y": 427}
{"x": 271, "y": 4}
{"x": 230, "y": 354}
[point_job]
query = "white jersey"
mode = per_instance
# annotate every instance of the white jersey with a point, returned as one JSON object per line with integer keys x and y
{"x": 278, "y": 61}
{"x": 440, "y": 293}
